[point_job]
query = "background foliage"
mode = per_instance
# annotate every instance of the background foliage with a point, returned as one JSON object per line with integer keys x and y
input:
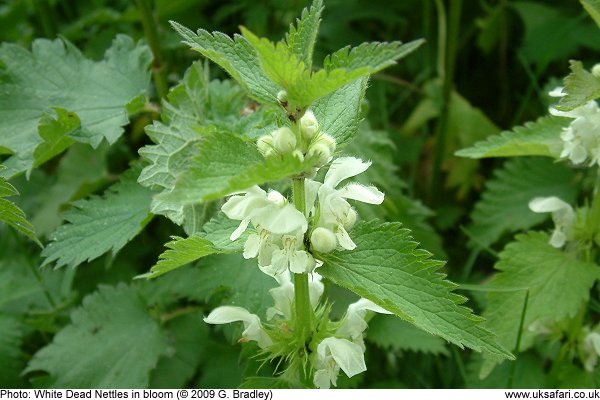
{"x": 79, "y": 82}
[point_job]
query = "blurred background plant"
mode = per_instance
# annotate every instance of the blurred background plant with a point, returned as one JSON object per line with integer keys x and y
{"x": 486, "y": 66}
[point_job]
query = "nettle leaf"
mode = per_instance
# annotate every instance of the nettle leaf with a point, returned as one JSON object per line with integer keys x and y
{"x": 236, "y": 56}
{"x": 375, "y": 55}
{"x": 12, "y": 215}
{"x": 226, "y": 163}
{"x": 239, "y": 280}
{"x": 181, "y": 252}
{"x": 581, "y": 86}
{"x": 195, "y": 108}
{"x": 120, "y": 340}
{"x": 100, "y": 224}
{"x": 504, "y": 204}
{"x": 214, "y": 239}
{"x": 301, "y": 38}
{"x": 557, "y": 282}
{"x": 303, "y": 87}
{"x": 391, "y": 332}
{"x": 593, "y": 8}
{"x": 55, "y": 133}
{"x": 339, "y": 113}
{"x": 539, "y": 138}
{"x": 188, "y": 342}
{"x": 56, "y": 74}
{"x": 11, "y": 360}
{"x": 387, "y": 268}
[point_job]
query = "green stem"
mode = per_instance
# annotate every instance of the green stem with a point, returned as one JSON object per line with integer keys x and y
{"x": 301, "y": 293}
{"x": 447, "y": 47}
{"x": 151, "y": 34}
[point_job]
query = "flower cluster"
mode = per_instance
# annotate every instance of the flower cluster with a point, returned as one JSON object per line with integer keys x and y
{"x": 285, "y": 241}
{"x": 581, "y": 139}
{"x": 342, "y": 350}
{"x": 304, "y": 140}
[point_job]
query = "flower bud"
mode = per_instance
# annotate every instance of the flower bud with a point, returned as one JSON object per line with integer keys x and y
{"x": 596, "y": 70}
{"x": 265, "y": 145}
{"x": 284, "y": 140}
{"x": 323, "y": 240}
{"x": 320, "y": 151}
{"x": 308, "y": 125}
{"x": 282, "y": 96}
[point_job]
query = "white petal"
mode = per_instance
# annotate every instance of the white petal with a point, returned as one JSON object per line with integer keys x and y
{"x": 323, "y": 378}
{"x": 315, "y": 288}
{"x": 349, "y": 356}
{"x": 557, "y": 92}
{"x": 354, "y": 322}
{"x": 280, "y": 220}
{"x": 279, "y": 262}
{"x": 548, "y": 204}
{"x": 235, "y": 235}
{"x": 265, "y": 254}
{"x": 366, "y": 194}
{"x": 238, "y": 207}
{"x": 558, "y": 239}
{"x": 344, "y": 239}
{"x": 299, "y": 262}
{"x": 252, "y": 326}
{"x": 344, "y": 168}
{"x": 311, "y": 189}
{"x": 251, "y": 246}
{"x": 228, "y": 314}
{"x": 283, "y": 299}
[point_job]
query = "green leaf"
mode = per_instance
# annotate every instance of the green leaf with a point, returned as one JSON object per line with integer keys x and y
{"x": 284, "y": 68}
{"x": 593, "y": 8}
{"x": 55, "y": 133}
{"x": 181, "y": 252}
{"x": 301, "y": 38}
{"x": 504, "y": 205}
{"x": 195, "y": 108}
{"x": 226, "y": 164}
{"x": 12, "y": 215}
{"x": 539, "y": 138}
{"x": 236, "y": 56}
{"x": 112, "y": 342}
{"x": 580, "y": 87}
{"x": 391, "y": 332}
{"x": 375, "y": 55}
{"x": 100, "y": 224}
{"x": 11, "y": 360}
{"x": 56, "y": 74}
{"x": 558, "y": 284}
{"x": 219, "y": 229}
{"x": 387, "y": 268}
{"x": 339, "y": 113}
{"x": 187, "y": 338}
{"x": 240, "y": 280}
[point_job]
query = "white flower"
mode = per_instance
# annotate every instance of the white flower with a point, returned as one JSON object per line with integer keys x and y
{"x": 269, "y": 211}
{"x": 591, "y": 349}
{"x": 253, "y": 329}
{"x": 354, "y": 324}
{"x": 292, "y": 255}
{"x": 581, "y": 139}
{"x": 260, "y": 244}
{"x": 562, "y": 214}
{"x": 334, "y": 354}
{"x": 335, "y": 213}
{"x": 283, "y": 295}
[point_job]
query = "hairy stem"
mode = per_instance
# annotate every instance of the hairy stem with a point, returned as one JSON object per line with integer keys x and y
{"x": 151, "y": 34}
{"x": 301, "y": 294}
